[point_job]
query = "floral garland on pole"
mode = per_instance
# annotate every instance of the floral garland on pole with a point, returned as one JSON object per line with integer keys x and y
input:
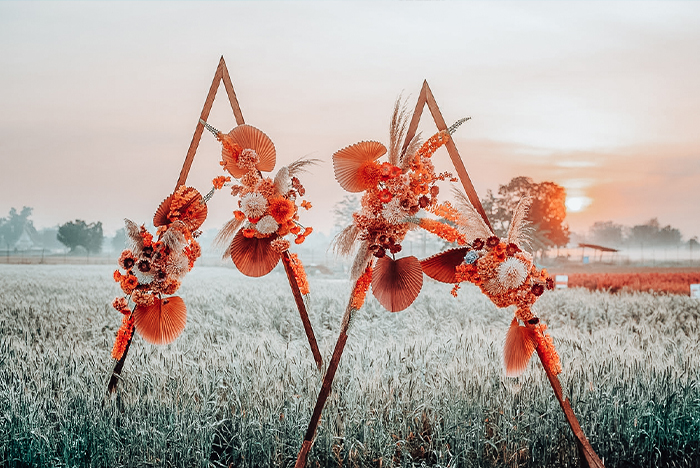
{"x": 151, "y": 271}
{"x": 394, "y": 193}
{"x": 255, "y": 238}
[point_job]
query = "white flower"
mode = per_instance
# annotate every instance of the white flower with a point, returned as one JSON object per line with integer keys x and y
{"x": 267, "y": 225}
{"x": 512, "y": 273}
{"x": 393, "y": 212}
{"x": 253, "y": 204}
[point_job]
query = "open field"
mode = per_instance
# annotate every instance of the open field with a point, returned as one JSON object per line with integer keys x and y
{"x": 424, "y": 386}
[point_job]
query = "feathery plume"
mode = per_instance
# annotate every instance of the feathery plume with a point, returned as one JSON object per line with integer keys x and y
{"x": 344, "y": 242}
{"x": 519, "y": 231}
{"x": 470, "y": 221}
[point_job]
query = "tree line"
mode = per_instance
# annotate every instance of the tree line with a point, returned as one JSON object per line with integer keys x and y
{"x": 649, "y": 234}
{"x": 72, "y": 234}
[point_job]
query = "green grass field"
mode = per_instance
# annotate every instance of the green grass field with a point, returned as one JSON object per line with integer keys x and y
{"x": 420, "y": 387}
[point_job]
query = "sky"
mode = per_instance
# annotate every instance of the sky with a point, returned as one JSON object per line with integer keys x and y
{"x": 99, "y": 101}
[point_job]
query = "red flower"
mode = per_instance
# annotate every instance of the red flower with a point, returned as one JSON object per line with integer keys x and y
{"x": 385, "y": 196}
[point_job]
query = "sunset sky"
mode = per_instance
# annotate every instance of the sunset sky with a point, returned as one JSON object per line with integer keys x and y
{"x": 99, "y": 101}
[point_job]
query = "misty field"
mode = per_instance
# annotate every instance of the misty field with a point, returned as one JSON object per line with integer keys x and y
{"x": 420, "y": 387}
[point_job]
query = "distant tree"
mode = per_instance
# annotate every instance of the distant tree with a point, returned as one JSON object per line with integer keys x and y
{"x": 12, "y": 227}
{"x": 343, "y": 210}
{"x": 607, "y": 233}
{"x": 651, "y": 233}
{"x": 547, "y": 212}
{"x": 78, "y": 233}
{"x": 119, "y": 240}
{"x": 47, "y": 238}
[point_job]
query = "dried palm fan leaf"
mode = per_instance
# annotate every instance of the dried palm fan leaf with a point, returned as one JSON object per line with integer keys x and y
{"x": 441, "y": 267}
{"x": 161, "y": 322}
{"x": 353, "y": 165}
{"x": 253, "y": 256}
{"x": 248, "y": 137}
{"x": 397, "y": 283}
{"x": 519, "y": 346}
{"x": 192, "y": 209}
{"x": 470, "y": 221}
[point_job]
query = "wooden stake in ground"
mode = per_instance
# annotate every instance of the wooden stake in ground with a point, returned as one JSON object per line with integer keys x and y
{"x": 354, "y": 304}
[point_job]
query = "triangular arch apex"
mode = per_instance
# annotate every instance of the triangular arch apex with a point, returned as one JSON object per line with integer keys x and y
{"x": 220, "y": 75}
{"x": 426, "y": 97}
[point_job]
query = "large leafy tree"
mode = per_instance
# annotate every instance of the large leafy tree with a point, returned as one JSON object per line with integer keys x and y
{"x": 78, "y": 233}
{"x": 547, "y": 211}
{"x": 11, "y": 228}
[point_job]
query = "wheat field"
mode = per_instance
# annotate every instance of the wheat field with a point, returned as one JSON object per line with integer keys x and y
{"x": 423, "y": 387}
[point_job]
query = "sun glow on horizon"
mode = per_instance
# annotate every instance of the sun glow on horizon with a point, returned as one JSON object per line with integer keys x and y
{"x": 577, "y": 204}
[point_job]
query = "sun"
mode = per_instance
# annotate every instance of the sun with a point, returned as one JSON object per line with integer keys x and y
{"x": 576, "y": 204}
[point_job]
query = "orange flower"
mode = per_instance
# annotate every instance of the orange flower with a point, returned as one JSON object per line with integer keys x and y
{"x": 294, "y": 229}
{"x": 308, "y": 231}
{"x": 129, "y": 283}
{"x": 281, "y": 209}
{"x": 219, "y": 182}
{"x": 369, "y": 174}
{"x": 359, "y": 292}
{"x": 240, "y": 216}
{"x": 300, "y": 239}
{"x": 306, "y": 205}
{"x": 117, "y": 276}
{"x": 249, "y": 233}
{"x": 123, "y": 337}
{"x": 120, "y": 303}
{"x": 299, "y": 273}
{"x": 146, "y": 236}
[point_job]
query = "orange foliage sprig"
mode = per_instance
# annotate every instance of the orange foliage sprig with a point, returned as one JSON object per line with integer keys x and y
{"x": 123, "y": 336}
{"x": 299, "y": 273}
{"x": 359, "y": 292}
{"x": 545, "y": 345}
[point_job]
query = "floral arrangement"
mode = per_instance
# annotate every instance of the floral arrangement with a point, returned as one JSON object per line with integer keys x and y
{"x": 395, "y": 192}
{"x": 507, "y": 275}
{"x": 151, "y": 271}
{"x": 267, "y": 206}
{"x": 267, "y": 213}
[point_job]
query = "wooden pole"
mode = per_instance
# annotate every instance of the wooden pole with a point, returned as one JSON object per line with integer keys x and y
{"x": 587, "y": 453}
{"x": 325, "y": 387}
{"x": 286, "y": 261}
{"x": 117, "y": 372}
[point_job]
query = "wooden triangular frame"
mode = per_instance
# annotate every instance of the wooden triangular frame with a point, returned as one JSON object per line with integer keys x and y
{"x": 426, "y": 97}
{"x": 220, "y": 75}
